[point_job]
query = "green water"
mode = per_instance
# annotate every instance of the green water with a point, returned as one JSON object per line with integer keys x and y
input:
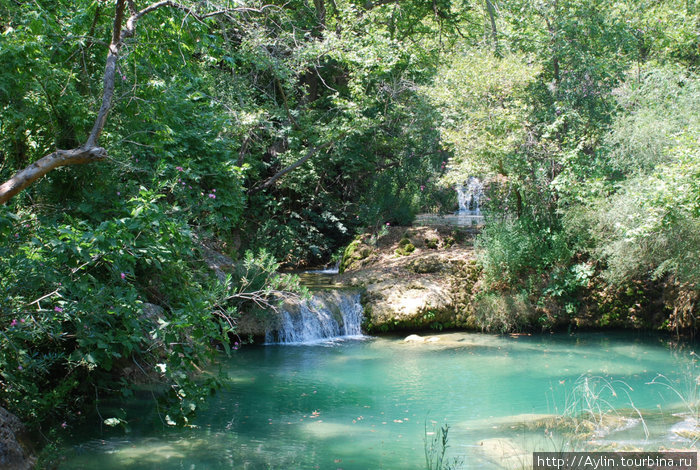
{"x": 365, "y": 404}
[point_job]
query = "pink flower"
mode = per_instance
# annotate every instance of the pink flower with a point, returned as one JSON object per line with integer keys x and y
{"x": 388, "y": 224}
{"x": 22, "y": 320}
{"x": 213, "y": 190}
{"x": 123, "y": 276}
{"x": 20, "y": 367}
{"x": 57, "y": 309}
{"x": 422, "y": 187}
{"x": 64, "y": 425}
{"x": 179, "y": 168}
{"x": 13, "y": 323}
{"x": 119, "y": 193}
{"x": 212, "y": 196}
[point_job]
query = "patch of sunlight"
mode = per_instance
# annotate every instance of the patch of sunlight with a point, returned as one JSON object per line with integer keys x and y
{"x": 323, "y": 430}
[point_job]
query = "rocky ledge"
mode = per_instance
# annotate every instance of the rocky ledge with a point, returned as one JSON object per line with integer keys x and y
{"x": 413, "y": 277}
{"x": 410, "y": 278}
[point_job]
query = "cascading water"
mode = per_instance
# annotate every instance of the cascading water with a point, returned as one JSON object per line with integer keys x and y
{"x": 469, "y": 197}
{"x": 328, "y": 270}
{"x": 327, "y": 315}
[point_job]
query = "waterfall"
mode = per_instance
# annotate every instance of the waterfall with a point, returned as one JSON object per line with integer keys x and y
{"x": 469, "y": 196}
{"x": 327, "y": 315}
{"x": 327, "y": 270}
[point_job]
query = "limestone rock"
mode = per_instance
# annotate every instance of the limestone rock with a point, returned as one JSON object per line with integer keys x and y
{"x": 422, "y": 288}
{"x": 217, "y": 262}
{"x": 152, "y": 312}
{"x": 417, "y": 288}
{"x": 416, "y": 302}
{"x": 15, "y": 452}
{"x": 426, "y": 265}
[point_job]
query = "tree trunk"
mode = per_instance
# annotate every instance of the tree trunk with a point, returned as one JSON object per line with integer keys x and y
{"x": 36, "y": 170}
{"x": 494, "y": 32}
{"x": 90, "y": 151}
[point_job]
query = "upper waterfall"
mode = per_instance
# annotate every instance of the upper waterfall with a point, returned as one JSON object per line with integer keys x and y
{"x": 469, "y": 196}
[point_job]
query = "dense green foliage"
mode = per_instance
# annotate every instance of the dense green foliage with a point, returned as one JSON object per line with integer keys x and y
{"x": 281, "y": 129}
{"x": 584, "y": 123}
{"x": 207, "y": 114}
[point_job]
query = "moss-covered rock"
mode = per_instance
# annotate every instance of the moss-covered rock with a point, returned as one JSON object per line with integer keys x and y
{"x": 426, "y": 265}
{"x": 405, "y": 250}
{"x": 432, "y": 243}
{"x": 356, "y": 251}
{"x": 418, "y": 289}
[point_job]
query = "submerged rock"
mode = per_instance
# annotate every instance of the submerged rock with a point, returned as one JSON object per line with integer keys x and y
{"x": 15, "y": 451}
{"x": 421, "y": 339}
{"x": 506, "y": 452}
{"x": 414, "y": 339}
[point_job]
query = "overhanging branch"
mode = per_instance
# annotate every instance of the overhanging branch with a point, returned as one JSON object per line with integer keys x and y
{"x": 310, "y": 153}
{"x": 39, "y": 168}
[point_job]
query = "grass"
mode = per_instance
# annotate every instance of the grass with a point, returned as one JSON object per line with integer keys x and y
{"x": 688, "y": 392}
{"x": 436, "y": 444}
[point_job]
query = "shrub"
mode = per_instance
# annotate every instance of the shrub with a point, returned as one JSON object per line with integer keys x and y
{"x": 503, "y": 312}
{"x": 76, "y": 313}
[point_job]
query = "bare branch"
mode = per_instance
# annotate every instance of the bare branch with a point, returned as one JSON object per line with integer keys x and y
{"x": 202, "y": 16}
{"x": 311, "y": 152}
{"x": 110, "y": 71}
{"x": 43, "y": 297}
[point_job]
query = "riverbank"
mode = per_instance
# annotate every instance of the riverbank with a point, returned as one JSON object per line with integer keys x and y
{"x": 428, "y": 278}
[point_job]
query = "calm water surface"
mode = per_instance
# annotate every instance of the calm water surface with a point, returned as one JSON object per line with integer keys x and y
{"x": 366, "y": 404}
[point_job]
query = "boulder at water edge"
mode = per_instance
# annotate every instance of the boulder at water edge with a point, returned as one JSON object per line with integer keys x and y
{"x": 14, "y": 448}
